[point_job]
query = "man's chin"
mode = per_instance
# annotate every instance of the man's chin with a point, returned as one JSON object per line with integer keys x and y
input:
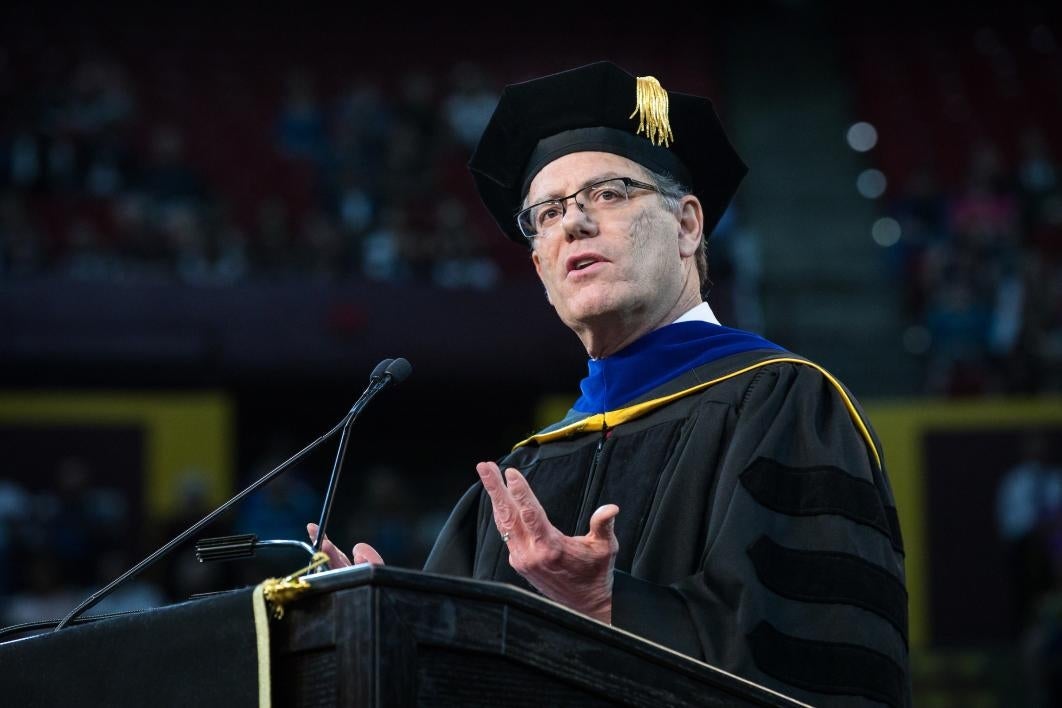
{"x": 594, "y": 311}
{"x": 589, "y": 306}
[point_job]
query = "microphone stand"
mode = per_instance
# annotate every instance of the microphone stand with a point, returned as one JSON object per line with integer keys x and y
{"x": 396, "y": 371}
{"x": 377, "y": 383}
{"x": 337, "y": 466}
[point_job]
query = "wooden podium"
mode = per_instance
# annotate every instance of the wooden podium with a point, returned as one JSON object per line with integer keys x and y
{"x": 366, "y": 636}
{"x": 379, "y": 636}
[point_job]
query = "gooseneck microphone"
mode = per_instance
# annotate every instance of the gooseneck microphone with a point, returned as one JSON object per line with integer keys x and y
{"x": 386, "y": 373}
{"x": 380, "y": 370}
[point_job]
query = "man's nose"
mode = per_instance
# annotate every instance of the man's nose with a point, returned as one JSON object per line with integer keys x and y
{"x": 576, "y": 222}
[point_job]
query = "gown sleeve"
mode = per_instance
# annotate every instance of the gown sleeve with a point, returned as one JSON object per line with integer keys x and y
{"x": 801, "y": 585}
{"x": 455, "y": 547}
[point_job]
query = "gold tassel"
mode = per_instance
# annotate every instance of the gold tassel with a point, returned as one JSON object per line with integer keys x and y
{"x": 280, "y": 592}
{"x": 651, "y": 110}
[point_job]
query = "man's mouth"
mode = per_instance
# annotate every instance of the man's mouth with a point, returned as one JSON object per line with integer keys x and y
{"x": 582, "y": 262}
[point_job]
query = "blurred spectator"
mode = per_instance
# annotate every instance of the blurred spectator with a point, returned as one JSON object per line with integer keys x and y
{"x": 470, "y": 103}
{"x": 958, "y": 326}
{"x": 21, "y": 245}
{"x": 458, "y": 258}
{"x": 281, "y": 509}
{"x": 1047, "y": 341}
{"x": 920, "y": 210}
{"x": 1029, "y": 520}
{"x": 381, "y": 254}
{"x": 1029, "y": 496}
{"x": 99, "y": 100}
{"x": 75, "y": 523}
{"x": 45, "y": 595}
{"x": 14, "y": 508}
{"x": 85, "y": 256}
{"x": 1044, "y": 232}
{"x": 168, "y": 178}
{"x": 1036, "y": 170}
{"x": 386, "y": 517}
{"x": 361, "y": 127}
{"x": 137, "y": 593}
{"x": 230, "y": 259}
{"x": 734, "y": 255}
{"x": 271, "y": 254}
{"x": 325, "y": 254}
{"x": 356, "y": 205}
{"x": 1008, "y": 321}
{"x": 184, "y": 576}
{"x": 300, "y": 126}
{"x": 984, "y": 218}
{"x": 183, "y": 230}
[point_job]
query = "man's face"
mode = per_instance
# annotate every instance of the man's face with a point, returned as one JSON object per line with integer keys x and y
{"x": 623, "y": 264}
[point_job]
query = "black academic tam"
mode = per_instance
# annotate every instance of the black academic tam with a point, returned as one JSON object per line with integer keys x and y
{"x": 601, "y": 107}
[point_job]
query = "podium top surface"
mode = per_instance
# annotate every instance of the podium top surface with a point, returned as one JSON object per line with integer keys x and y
{"x": 540, "y": 607}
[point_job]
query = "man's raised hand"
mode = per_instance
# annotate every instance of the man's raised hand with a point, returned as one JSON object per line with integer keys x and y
{"x": 575, "y": 571}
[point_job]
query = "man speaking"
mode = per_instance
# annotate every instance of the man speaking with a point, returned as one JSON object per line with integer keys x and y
{"x": 709, "y": 490}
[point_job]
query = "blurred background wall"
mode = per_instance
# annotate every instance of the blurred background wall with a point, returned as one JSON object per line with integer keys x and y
{"x": 214, "y": 223}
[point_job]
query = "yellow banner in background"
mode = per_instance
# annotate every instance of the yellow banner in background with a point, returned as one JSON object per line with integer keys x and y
{"x": 902, "y": 426}
{"x": 188, "y": 437}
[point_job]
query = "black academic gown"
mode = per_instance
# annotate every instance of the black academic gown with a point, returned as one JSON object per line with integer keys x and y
{"x": 757, "y": 530}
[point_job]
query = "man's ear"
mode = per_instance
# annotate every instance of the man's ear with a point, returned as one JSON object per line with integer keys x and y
{"x": 691, "y": 225}
{"x": 538, "y": 271}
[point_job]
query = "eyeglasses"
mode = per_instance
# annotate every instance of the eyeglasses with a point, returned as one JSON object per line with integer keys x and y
{"x": 606, "y": 195}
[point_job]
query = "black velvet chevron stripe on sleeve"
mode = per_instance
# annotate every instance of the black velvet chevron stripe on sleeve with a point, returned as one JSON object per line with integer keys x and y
{"x": 895, "y": 537}
{"x": 808, "y": 491}
{"x": 830, "y": 668}
{"x": 828, "y": 577}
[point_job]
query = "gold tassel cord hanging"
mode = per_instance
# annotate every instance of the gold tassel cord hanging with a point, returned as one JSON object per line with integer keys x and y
{"x": 279, "y": 593}
{"x": 652, "y": 112}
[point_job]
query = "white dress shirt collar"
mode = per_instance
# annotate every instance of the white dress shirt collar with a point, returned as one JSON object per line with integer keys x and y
{"x": 702, "y": 312}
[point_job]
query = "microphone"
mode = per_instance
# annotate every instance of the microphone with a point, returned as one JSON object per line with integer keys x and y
{"x": 386, "y": 372}
{"x": 380, "y": 369}
{"x": 399, "y": 370}
{"x": 395, "y": 371}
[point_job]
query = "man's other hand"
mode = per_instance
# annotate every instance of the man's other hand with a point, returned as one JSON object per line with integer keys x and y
{"x": 361, "y": 553}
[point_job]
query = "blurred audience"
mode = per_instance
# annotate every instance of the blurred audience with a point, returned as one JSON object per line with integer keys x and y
{"x": 59, "y": 545}
{"x": 982, "y": 274}
{"x": 96, "y": 184}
